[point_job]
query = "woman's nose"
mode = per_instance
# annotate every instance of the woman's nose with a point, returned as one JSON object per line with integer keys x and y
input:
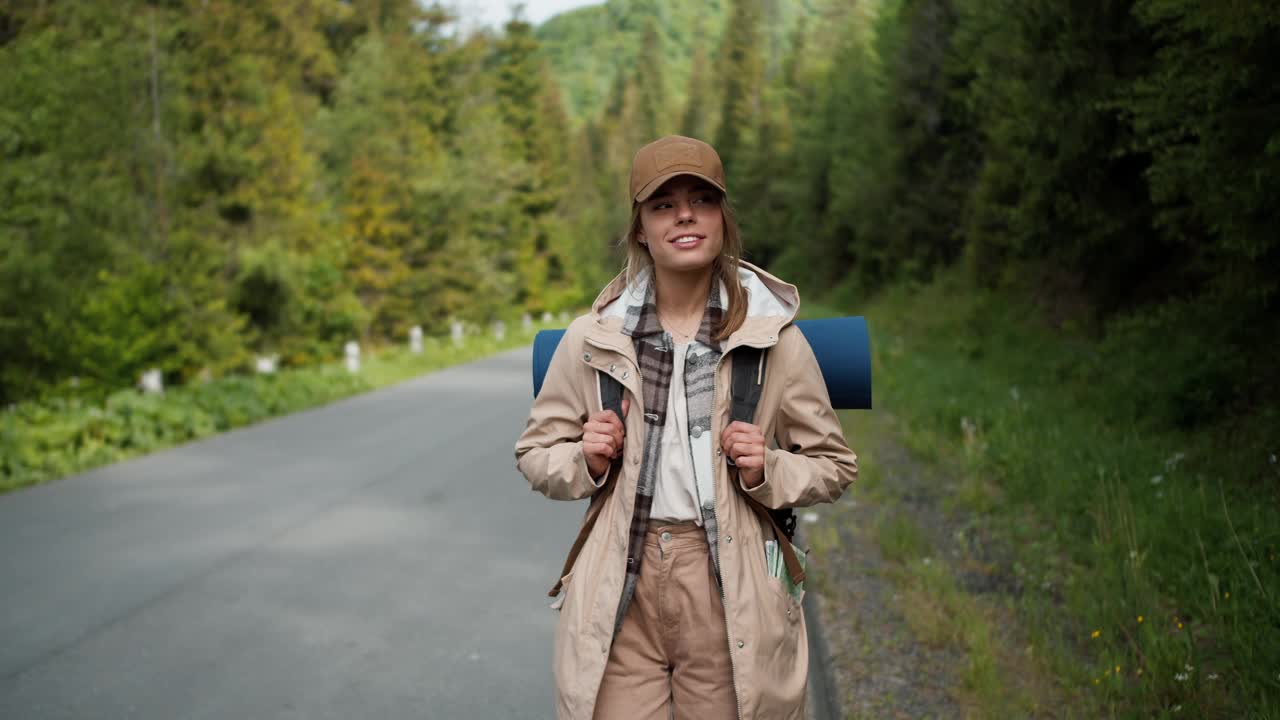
{"x": 684, "y": 212}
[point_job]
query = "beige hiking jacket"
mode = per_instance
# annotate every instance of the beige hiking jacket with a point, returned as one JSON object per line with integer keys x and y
{"x": 810, "y": 464}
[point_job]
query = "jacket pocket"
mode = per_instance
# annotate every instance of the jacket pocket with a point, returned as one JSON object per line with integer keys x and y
{"x": 776, "y": 576}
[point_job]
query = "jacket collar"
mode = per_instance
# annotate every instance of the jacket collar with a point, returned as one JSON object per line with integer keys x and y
{"x": 772, "y": 305}
{"x": 642, "y": 320}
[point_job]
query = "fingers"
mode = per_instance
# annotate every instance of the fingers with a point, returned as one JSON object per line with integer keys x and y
{"x": 747, "y": 454}
{"x": 744, "y": 444}
{"x": 603, "y": 433}
{"x": 739, "y": 432}
{"x": 606, "y": 426}
{"x": 605, "y": 445}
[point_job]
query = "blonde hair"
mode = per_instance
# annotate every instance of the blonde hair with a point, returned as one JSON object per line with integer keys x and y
{"x": 724, "y": 267}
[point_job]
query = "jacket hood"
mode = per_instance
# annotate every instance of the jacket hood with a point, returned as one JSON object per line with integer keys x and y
{"x": 772, "y": 303}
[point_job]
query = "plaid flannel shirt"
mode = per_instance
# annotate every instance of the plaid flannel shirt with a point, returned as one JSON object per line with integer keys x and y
{"x": 654, "y": 353}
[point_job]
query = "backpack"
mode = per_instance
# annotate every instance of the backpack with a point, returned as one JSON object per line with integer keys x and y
{"x": 748, "y": 378}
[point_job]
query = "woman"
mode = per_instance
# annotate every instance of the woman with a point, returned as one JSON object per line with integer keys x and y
{"x": 669, "y": 604}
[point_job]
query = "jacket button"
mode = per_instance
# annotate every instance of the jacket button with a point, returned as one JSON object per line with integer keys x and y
{"x": 740, "y": 644}
{"x": 613, "y": 367}
{"x": 586, "y": 356}
{"x": 728, "y": 538}
{"x": 696, "y": 431}
{"x": 719, "y": 452}
{"x": 625, "y": 374}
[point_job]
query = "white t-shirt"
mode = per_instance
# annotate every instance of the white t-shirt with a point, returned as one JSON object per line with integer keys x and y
{"x": 675, "y": 495}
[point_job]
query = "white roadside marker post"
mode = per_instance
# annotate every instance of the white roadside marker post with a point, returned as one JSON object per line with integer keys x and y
{"x": 266, "y": 364}
{"x": 152, "y": 381}
{"x": 352, "y": 351}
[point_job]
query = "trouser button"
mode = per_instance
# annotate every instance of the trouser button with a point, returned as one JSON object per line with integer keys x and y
{"x": 666, "y": 537}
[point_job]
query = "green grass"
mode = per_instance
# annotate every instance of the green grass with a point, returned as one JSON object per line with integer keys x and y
{"x": 43, "y": 441}
{"x": 1112, "y": 513}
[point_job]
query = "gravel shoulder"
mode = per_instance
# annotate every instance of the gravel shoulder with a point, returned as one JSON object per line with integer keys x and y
{"x": 918, "y": 616}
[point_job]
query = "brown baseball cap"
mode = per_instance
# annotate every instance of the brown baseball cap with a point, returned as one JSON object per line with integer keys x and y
{"x": 673, "y": 155}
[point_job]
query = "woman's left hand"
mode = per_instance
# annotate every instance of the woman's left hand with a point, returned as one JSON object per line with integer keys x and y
{"x": 744, "y": 444}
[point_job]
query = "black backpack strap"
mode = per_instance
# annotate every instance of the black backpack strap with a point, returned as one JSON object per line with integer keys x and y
{"x": 610, "y": 393}
{"x": 747, "y": 385}
{"x": 748, "y": 382}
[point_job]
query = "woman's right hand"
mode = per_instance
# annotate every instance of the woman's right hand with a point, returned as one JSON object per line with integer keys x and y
{"x": 602, "y": 436}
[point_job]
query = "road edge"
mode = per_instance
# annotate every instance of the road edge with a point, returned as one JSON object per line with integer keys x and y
{"x": 823, "y": 701}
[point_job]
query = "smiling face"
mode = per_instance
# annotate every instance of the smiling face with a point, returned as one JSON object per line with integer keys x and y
{"x": 682, "y": 225}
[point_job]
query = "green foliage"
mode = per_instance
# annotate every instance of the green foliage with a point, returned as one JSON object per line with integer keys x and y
{"x": 1117, "y": 479}
{"x": 740, "y": 72}
{"x": 188, "y": 183}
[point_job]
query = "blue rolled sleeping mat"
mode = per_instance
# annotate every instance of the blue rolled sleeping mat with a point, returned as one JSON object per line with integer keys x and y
{"x": 842, "y": 346}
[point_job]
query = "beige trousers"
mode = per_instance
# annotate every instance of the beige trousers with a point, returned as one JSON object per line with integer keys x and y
{"x": 671, "y": 657}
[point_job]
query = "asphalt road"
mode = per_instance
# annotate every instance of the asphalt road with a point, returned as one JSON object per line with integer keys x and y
{"x": 376, "y": 558}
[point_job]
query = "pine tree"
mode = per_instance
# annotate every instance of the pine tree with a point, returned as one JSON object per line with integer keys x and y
{"x": 741, "y": 73}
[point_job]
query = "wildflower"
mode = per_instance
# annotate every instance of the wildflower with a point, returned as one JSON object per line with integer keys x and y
{"x": 1177, "y": 708}
{"x": 1139, "y": 671}
{"x": 1095, "y": 681}
{"x": 1188, "y": 667}
{"x": 1227, "y": 596}
{"x": 1139, "y": 618}
{"x": 1117, "y": 669}
{"x": 1179, "y": 626}
{"x": 1096, "y": 633}
{"x": 1157, "y": 479}
{"x": 1013, "y": 392}
{"x": 1273, "y": 455}
{"x": 1181, "y": 677}
{"x": 1172, "y": 462}
{"x": 1213, "y": 676}
{"x": 1106, "y": 672}
{"x": 1133, "y": 555}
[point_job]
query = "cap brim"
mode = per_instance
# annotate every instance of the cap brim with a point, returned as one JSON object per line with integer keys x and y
{"x": 653, "y": 185}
